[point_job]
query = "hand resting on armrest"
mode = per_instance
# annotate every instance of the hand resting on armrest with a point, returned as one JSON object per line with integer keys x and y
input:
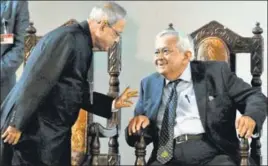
{"x": 139, "y": 126}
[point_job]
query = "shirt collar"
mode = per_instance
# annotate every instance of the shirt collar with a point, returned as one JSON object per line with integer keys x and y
{"x": 185, "y": 76}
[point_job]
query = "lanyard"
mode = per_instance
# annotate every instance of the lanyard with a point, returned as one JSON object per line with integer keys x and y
{"x": 5, "y": 22}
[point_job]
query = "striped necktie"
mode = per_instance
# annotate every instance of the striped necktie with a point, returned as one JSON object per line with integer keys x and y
{"x": 165, "y": 144}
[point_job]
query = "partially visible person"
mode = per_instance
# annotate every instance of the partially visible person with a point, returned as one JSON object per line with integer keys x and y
{"x": 188, "y": 108}
{"x": 38, "y": 114}
{"x": 14, "y": 21}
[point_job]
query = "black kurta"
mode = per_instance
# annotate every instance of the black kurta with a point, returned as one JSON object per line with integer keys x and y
{"x": 46, "y": 101}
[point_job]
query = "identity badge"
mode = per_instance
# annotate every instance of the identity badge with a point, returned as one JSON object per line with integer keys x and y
{"x": 7, "y": 38}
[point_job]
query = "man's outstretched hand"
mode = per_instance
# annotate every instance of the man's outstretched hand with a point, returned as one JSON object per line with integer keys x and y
{"x": 124, "y": 99}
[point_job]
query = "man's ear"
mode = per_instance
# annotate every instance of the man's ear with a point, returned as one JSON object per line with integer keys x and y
{"x": 188, "y": 54}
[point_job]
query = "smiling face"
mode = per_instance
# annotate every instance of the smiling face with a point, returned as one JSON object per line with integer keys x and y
{"x": 169, "y": 60}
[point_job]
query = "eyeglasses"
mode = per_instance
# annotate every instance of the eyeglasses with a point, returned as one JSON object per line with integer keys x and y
{"x": 110, "y": 26}
{"x": 164, "y": 51}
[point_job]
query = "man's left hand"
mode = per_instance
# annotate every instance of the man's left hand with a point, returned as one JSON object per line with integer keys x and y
{"x": 123, "y": 99}
{"x": 11, "y": 135}
{"x": 245, "y": 126}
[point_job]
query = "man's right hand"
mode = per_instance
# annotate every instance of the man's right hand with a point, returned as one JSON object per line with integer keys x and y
{"x": 136, "y": 123}
{"x": 11, "y": 135}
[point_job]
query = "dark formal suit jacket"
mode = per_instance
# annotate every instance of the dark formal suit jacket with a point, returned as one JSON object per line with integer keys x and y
{"x": 15, "y": 15}
{"x": 46, "y": 101}
{"x": 213, "y": 79}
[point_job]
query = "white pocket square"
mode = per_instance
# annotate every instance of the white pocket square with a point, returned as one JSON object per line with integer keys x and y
{"x": 210, "y": 98}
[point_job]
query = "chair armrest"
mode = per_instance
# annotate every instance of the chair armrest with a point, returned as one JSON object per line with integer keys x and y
{"x": 96, "y": 128}
{"x": 255, "y": 150}
{"x": 140, "y": 140}
{"x": 244, "y": 151}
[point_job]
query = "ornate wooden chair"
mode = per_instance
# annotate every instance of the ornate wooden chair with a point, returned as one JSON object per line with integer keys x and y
{"x": 214, "y": 41}
{"x": 85, "y": 143}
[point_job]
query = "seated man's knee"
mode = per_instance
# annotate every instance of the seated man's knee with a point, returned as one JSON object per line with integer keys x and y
{"x": 222, "y": 160}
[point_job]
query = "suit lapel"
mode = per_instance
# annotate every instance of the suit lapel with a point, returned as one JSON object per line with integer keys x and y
{"x": 157, "y": 91}
{"x": 200, "y": 88}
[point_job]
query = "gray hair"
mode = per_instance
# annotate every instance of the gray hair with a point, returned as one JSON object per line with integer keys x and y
{"x": 185, "y": 42}
{"x": 111, "y": 10}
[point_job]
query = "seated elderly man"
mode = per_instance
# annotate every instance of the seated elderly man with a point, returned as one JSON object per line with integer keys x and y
{"x": 188, "y": 108}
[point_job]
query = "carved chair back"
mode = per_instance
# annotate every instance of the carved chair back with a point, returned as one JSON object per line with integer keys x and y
{"x": 214, "y": 41}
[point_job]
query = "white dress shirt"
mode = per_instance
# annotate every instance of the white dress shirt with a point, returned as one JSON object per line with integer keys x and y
{"x": 187, "y": 116}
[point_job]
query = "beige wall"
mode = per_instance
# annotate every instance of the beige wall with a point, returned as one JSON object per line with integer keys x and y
{"x": 145, "y": 19}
